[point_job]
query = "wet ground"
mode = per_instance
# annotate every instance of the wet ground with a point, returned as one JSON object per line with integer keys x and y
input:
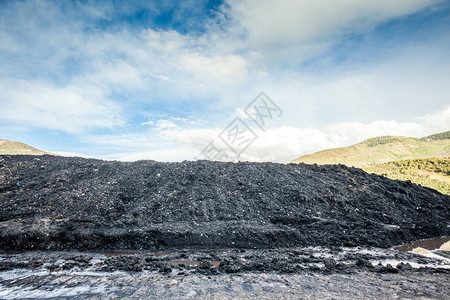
{"x": 360, "y": 285}
{"x": 289, "y": 273}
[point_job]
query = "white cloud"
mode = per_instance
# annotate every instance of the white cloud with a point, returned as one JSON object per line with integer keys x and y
{"x": 162, "y": 77}
{"x": 71, "y": 154}
{"x": 411, "y": 83}
{"x": 347, "y": 133}
{"x": 73, "y": 109}
{"x": 281, "y": 144}
{"x": 195, "y": 138}
{"x": 164, "y": 124}
{"x": 190, "y": 61}
{"x": 226, "y": 67}
{"x": 148, "y": 123}
{"x": 277, "y": 24}
{"x": 277, "y": 144}
{"x": 437, "y": 121}
{"x": 223, "y": 64}
{"x": 114, "y": 75}
{"x": 158, "y": 155}
{"x": 84, "y": 78}
{"x": 172, "y": 122}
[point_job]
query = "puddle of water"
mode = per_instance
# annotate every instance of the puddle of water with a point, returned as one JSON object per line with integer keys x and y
{"x": 189, "y": 262}
{"x": 159, "y": 254}
{"x": 111, "y": 253}
{"x": 431, "y": 244}
{"x": 214, "y": 263}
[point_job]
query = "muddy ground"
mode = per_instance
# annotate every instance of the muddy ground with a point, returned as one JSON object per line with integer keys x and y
{"x": 73, "y": 228}
{"x": 300, "y": 273}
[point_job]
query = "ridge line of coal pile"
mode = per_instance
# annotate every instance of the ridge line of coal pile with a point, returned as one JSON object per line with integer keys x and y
{"x": 67, "y": 203}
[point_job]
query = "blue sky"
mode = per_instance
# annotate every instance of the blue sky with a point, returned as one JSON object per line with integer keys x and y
{"x": 161, "y": 80}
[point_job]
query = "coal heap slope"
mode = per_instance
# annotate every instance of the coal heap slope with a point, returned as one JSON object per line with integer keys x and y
{"x": 63, "y": 203}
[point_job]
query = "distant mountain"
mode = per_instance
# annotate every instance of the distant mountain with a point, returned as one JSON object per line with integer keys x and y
{"x": 381, "y": 150}
{"x": 18, "y": 148}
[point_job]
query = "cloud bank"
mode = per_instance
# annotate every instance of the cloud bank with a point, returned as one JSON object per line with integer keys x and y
{"x": 122, "y": 82}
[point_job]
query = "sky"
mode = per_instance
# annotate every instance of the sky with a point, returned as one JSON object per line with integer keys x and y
{"x": 182, "y": 80}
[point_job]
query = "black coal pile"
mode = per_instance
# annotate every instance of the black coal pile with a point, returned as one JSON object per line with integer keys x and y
{"x": 61, "y": 203}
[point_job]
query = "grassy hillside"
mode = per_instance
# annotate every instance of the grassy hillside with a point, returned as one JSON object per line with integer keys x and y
{"x": 424, "y": 161}
{"x": 383, "y": 149}
{"x": 430, "y": 172}
{"x": 17, "y": 148}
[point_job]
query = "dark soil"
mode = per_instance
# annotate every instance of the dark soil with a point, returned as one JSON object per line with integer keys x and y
{"x": 60, "y": 203}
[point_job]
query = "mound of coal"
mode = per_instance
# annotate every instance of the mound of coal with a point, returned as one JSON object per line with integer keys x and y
{"x": 62, "y": 203}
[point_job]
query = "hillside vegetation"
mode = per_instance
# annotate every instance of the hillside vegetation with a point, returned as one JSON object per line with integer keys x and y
{"x": 429, "y": 172}
{"x": 381, "y": 150}
{"x": 18, "y": 148}
{"x": 424, "y": 161}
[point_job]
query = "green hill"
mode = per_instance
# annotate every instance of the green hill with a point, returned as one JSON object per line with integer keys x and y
{"x": 18, "y": 148}
{"x": 383, "y": 149}
{"x": 424, "y": 161}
